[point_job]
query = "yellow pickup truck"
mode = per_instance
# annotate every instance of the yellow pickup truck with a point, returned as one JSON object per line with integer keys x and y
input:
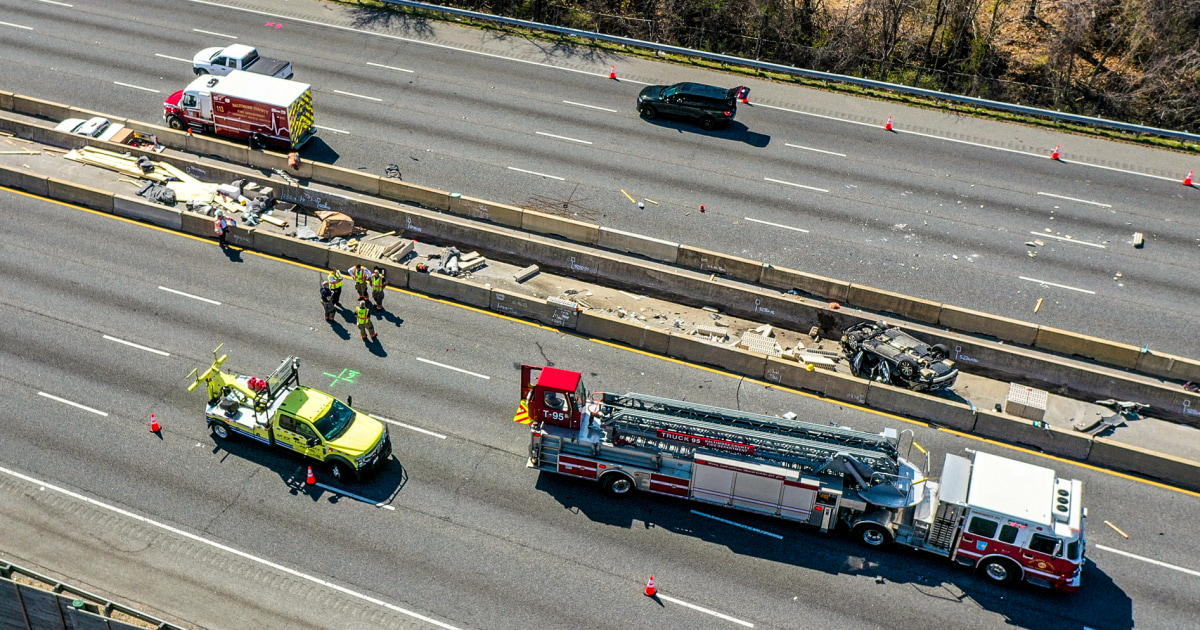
{"x": 279, "y": 411}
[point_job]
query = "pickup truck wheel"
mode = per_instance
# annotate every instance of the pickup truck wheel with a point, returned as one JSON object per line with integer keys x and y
{"x": 343, "y": 471}
{"x": 1000, "y": 571}
{"x": 873, "y": 535}
{"x": 220, "y": 430}
{"x": 200, "y": 71}
{"x": 177, "y": 123}
{"x": 616, "y": 485}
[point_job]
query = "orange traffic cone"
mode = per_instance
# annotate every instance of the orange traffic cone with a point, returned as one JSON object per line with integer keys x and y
{"x": 154, "y": 426}
{"x": 312, "y": 479}
{"x": 1054, "y": 156}
{"x": 745, "y": 97}
{"x": 651, "y": 591}
{"x": 1187, "y": 181}
{"x": 612, "y": 74}
{"x": 189, "y": 131}
{"x": 888, "y": 126}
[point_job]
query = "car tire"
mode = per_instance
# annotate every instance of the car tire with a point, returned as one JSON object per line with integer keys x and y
{"x": 342, "y": 470}
{"x": 1000, "y": 571}
{"x": 200, "y": 71}
{"x": 649, "y": 112}
{"x": 708, "y": 123}
{"x": 618, "y": 485}
{"x": 177, "y": 123}
{"x": 907, "y": 369}
{"x": 873, "y": 535}
{"x": 853, "y": 342}
{"x": 221, "y": 430}
{"x": 940, "y": 351}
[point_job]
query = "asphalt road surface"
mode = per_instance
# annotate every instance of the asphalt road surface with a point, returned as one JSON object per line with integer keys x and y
{"x": 465, "y": 535}
{"x": 942, "y": 208}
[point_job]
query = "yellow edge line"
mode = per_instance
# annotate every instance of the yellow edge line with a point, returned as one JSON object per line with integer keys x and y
{"x": 611, "y": 344}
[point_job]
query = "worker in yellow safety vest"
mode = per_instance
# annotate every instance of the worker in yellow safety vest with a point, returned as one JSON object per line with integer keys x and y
{"x": 335, "y": 284}
{"x": 361, "y": 276}
{"x": 363, "y": 314}
{"x": 378, "y": 284}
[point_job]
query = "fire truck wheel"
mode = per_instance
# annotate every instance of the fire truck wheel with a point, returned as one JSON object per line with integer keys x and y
{"x": 873, "y": 535}
{"x": 220, "y": 430}
{"x": 342, "y": 470}
{"x": 1001, "y": 571}
{"x": 618, "y": 485}
{"x": 176, "y": 123}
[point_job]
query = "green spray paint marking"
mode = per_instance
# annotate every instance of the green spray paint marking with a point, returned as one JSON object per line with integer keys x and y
{"x": 346, "y": 375}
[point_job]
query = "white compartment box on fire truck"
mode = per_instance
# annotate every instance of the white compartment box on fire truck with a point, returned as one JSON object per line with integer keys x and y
{"x": 1011, "y": 520}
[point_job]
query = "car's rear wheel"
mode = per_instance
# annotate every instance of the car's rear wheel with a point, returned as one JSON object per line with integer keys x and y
{"x": 940, "y": 351}
{"x": 200, "y": 71}
{"x": 708, "y": 123}
{"x": 649, "y": 112}
{"x": 853, "y": 342}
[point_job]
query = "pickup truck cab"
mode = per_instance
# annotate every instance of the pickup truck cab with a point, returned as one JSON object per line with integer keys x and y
{"x": 223, "y": 60}
{"x": 280, "y": 412}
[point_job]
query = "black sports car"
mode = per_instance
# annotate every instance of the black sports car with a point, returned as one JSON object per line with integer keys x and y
{"x": 887, "y": 354}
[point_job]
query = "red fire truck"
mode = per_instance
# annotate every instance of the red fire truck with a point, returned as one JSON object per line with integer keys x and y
{"x": 1010, "y": 520}
{"x": 243, "y": 105}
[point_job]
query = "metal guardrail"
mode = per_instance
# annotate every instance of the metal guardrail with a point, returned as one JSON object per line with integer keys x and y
{"x": 812, "y": 74}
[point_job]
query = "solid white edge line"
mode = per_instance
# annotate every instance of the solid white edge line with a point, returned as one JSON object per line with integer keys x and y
{"x": 138, "y": 87}
{"x": 1067, "y": 240}
{"x": 451, "y": 367}
{"x": 1091, "y": 203}
{"x": 397, "y": 38}
{"x": 1061, "y": 286}
{"x": 736, "y": 524}
{"x": 61, "y": 4}
{"x": 379, "y": 65}
{"x": 134, "y": 345}
{"x": 73, "y": 404}
{"x": 216, "y": 34}
{"x": 550, "y": 135}
{"x": 369, "y": 98}
{"x": 797, "y": 146}
{"x": 228, "y": 549}
{"x": 408, "y": 426}
{"x": 173, "y": 58}
{"x": 28, "y": 28}
{"x": 332, "y": 129}
{"x": 603, "y": 109}
{"x": 1149, "y": 560}
{"x": 796, "y": 111}
{"x": 194, "y": 297}
{"x": 780, "y": 181}
{"x": 786, "y": 227}
{"x": 706, "y": 611}
{"x": 521, "y": 170}
{"x": 354, "y": 496}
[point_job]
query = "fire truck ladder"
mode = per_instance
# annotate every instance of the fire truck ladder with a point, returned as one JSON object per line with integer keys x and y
{"x": 794, "y": 444}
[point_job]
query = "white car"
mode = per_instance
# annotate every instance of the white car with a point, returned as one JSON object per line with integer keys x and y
{"x": 99, "y": 127}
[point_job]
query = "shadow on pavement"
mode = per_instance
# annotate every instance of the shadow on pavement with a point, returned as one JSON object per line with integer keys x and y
{"x": 734, "y": 131}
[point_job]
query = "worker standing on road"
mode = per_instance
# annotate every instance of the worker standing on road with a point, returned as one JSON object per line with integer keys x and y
{"x": 221, "y": 226}
{"x": 378, "y": 284}
{"x": 361, "y": 277}
{"x": 327, "y": 301}
{"x": 335, "y": 285}
{"x": 363, "y": 314}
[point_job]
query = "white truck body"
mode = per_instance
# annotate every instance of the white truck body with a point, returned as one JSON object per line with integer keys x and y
{"x": 222, "y": 60}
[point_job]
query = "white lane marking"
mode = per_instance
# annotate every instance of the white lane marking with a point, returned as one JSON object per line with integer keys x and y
{"x": 194, "y": 297}
{"x": 28, "y": 28}
{"x": 973, "y": 144}
{"x": 796, "y": 146}
{"x": 215, "y": 34}
{"x": 73, "y": 404}
{"x": 603, "y": 109}
{"x": 173, "y": 58}
{"x": 134, "y": 345}
{"x": 408, "y": 426}
{"x": 61, "y": 4}
{"x": 332, "y": 129}
{"x": 603, "y": 74}
{"x": 521, "y": 170}
{"x": 550, "y": 135}
{"x": 796, "y": 111}
{"x": 1093, "y": 203}
{"x": 735, "y": 524}
{"x": 706, "y": 611}
{"x": 353, "y": 496}
{"x": 369, "y": 98}
{"x": 786, "y": 227}
{"x": 1061, "y": 286}
{"x": 1149, "y": 560}
{"x": 780, "y": 181}
{"x": 379, "y": 65}
{"x": 228, "y": 549}
{"x": 1068, "y": 240}
{"x": 138, "y": 87}
{"x": 451, "y": 367}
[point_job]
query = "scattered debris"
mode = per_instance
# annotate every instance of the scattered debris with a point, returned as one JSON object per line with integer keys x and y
{"x": 526, "y": 273}
{"x": 1139, "y": 240}
{"x": 334, "y": 224}
{"x": 392, "y": 171}
{"x": 1116, "y": 529}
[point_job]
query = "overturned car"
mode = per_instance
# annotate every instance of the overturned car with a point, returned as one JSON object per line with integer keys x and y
{"x": 885, "y": 353}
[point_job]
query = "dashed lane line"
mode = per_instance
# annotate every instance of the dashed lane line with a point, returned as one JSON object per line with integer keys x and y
{"x": 73, "y": 404}
{"x": 456, "y": 369}
{"x": 408, "y": 426}
{"x": 189, "y": 295}
{"x": 139, "y": 347}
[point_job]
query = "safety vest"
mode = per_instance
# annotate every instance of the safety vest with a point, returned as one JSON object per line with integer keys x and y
{"x": 221, "y": 224}
{"x": 364, "y": 315}
{"x": 360, "y": 274}
{"x": 335, "y": 279}
{"x": 377, "y": 281}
